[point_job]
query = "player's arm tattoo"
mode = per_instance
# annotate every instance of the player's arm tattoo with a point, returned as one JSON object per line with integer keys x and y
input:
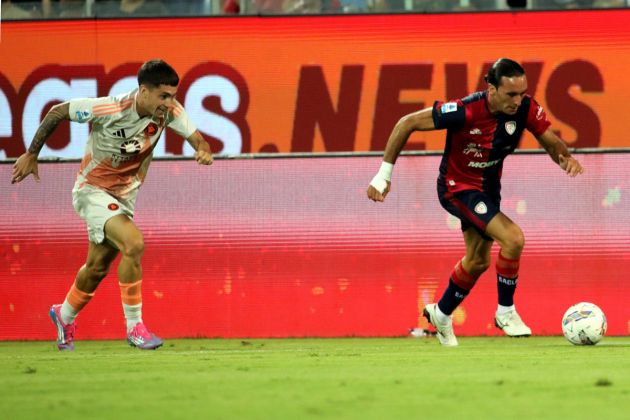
{"x": 52, "y": 119}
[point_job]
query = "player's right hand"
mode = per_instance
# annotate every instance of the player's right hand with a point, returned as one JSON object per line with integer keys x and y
{"x": 24, "y": 166}
{"x": 570, "y": 165}
{"x": 375, "y": 195}
{"x": 203, "y": 157}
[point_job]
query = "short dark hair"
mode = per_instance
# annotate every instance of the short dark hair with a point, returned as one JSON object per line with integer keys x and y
{"x": 156, "y": 73}
{"x": 503, "y": 67}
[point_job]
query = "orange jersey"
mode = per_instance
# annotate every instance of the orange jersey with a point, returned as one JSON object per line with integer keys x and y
{"x": 120, "y": 146}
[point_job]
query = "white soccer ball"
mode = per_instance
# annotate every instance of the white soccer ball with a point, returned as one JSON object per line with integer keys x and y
{"x": 584, "y": 323}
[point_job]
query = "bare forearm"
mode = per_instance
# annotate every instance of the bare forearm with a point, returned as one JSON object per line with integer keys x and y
{"x": 203, "y": 146}
{"x": 555, "y": 149}
{"x": 418, "y": 121}
{"x": 198, "y": 143}
{"x": 52, "y": 119}
{"x": 397, "y": 140}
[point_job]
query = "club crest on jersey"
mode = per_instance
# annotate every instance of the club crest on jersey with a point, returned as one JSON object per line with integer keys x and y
{"x": 474, "y": 148}
{"x": 481, "y": 208}
{"x": 510, "y": 127}
{"x": 151, "y": 130}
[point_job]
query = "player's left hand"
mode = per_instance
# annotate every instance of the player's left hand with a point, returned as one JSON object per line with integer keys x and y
{"x": 570, "y": 165}
{"x": 203, "y": 158}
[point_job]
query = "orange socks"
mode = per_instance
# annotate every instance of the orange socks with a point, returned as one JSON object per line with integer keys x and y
{"x": 74, "y": 302}
{"x": 131, "y": 293}
{"x": 77, "y": 298}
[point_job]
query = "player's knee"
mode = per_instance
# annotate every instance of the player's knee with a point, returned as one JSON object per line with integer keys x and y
{"x": 515, "y": 242}
{"x": 133, "y": 248}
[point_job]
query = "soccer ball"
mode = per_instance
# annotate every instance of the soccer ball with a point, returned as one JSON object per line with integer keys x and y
{"x": 584, "y": 323}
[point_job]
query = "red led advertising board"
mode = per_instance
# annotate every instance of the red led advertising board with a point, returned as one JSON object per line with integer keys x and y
{"x": 292, "y": 247}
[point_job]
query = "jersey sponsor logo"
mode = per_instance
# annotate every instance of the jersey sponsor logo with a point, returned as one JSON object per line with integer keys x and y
{"x": 475, "y": 149}
{"x": 82, "y": 116}
{"x": 120, "y": 133}
{"x": 130, "y": 147}
{"x": 475, "y": 131}
{"x": 118, "y": 159}
{"x": 483, "y": 164}
{"x": 128, "y": 151}
{"x": 481, "y": 208}
{"x": 510, "y": 127}
{"x": 448, "y": 107}
{"x": 539, "y": 113}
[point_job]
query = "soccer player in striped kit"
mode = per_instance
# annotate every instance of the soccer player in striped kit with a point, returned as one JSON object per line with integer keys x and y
{"x": 482, "y": 130}
{"x": 125, "y": 130}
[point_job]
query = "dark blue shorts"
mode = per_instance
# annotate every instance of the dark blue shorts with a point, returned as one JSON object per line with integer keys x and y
{"x": 472, "y": 207}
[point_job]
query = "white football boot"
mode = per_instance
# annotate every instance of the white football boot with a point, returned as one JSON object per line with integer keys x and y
{"x": 444, "y": 331}
{"x": 512, "y": 324}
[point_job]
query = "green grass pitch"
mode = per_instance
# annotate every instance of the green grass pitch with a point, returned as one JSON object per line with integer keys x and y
{"x": 361, "y": 378}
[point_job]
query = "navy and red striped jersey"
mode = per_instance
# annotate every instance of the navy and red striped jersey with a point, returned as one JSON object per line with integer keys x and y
{"x": 478, "y": 141}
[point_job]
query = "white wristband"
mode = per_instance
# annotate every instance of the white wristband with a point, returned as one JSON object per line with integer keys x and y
{"x": 382, "y": 177}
